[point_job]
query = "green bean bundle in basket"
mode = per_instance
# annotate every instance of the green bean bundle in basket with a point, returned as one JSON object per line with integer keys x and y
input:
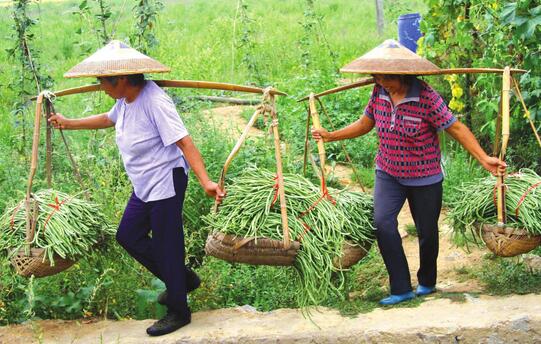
{"x": 477, "y": 205}
{"x": 251, "y": 209}
{"x": 66, "y": 226}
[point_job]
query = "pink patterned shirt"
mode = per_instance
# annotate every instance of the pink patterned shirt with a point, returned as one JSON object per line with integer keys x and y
{"x": 408, "y": 141}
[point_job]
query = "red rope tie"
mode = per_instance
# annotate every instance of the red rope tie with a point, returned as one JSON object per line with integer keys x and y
{"x": 15, "y": 211}
{"x": 524, "y": 196}
{"x": 56, "y": 207}
{"x": 306, "y": 230}
{"x": 325, "y": 191}
{"x": 312, "y": 207}
{"x": 275, "y": 187}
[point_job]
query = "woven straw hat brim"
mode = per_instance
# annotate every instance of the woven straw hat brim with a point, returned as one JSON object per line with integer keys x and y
{"x": 113, "y": 68}
{"x": 116, "y": 58}
{"x": 391, "y": 58}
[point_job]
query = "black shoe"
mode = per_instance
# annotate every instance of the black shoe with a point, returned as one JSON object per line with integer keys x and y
{"x": 172, "y": 321}
{"x": 192, "y": 282}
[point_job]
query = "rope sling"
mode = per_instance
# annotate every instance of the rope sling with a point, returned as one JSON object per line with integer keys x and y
{"x": 30, "y": 260}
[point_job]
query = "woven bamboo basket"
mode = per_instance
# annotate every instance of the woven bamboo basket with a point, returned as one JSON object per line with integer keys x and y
{"x": 264, "y": 251}
{"x": 505, "y": 241}
{"x": 30, "y": 260}
{"x": 34, "y": 263}
{"x": 254, "y": 251}
{"x": 351, "y": 254}
{"x": 508, "y": 242}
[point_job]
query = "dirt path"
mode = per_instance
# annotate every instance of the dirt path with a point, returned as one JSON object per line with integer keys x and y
{"x": 515, "y": 319}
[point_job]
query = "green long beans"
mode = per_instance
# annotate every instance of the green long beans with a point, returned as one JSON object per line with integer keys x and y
{"x": 477, "y": 205}
{"x": 251, "y": 208}
{"x": 66, "y": 226}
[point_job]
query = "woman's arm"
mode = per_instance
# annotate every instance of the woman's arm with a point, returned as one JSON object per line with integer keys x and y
{"x": 355, "y": 129}
{"x": 91, "y": 122}
{"x": 193, "y": 156}
{"x": 464, "y": 136}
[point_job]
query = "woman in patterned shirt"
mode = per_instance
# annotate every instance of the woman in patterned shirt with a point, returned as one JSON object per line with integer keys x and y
{"x": 407, "y": 114}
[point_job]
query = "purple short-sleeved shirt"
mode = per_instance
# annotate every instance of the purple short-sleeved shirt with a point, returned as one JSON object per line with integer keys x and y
{"x": 146, "y": 132}
{"x": 408, "y": 142}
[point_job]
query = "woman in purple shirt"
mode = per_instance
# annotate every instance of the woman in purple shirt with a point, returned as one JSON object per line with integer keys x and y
{"x": 157, "y": 152}
{"x": 407, "y": 114}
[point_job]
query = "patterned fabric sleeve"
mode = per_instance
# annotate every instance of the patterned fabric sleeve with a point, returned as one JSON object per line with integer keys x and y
{"x": 369, "y": 109}
{"x": 439, "y": 115}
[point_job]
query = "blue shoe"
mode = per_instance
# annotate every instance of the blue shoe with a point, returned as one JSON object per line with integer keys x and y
{"x": 394, "y": 299}
{"x": 423, "y": 290}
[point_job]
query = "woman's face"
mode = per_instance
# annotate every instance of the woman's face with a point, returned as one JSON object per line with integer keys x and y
{"x": 391, "y": 83}
{"x": 114, "y": 89}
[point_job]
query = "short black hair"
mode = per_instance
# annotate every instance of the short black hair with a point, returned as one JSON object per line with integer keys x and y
{"x": 136, "y": 79}
{"x": 405, "y": 79}
{"x": 133, "y": 79}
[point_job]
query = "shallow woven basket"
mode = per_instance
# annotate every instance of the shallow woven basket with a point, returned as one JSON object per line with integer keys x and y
{"x": 34, "y": 264}
{"x": 254, "y": 251}
{"x": 508, "y": 242}
{"x": 351, "y": 254}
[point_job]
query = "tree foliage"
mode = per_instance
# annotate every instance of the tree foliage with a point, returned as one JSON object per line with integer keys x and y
{"x": 488, "y": 33}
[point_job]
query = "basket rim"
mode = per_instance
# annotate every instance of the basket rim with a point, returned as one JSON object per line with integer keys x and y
{"x": 507, "y": 230}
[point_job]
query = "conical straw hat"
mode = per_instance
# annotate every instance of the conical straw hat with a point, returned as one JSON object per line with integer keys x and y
{"x": 116, "y": 58}
{"x": 391, "y": 57}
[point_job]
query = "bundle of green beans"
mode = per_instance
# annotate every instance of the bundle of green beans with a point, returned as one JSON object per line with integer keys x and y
{"x": 359, "y": 210}
{"x": 477, "y": 205}
{"x": 252, "y": 209}
{"x": 66, "y": 225}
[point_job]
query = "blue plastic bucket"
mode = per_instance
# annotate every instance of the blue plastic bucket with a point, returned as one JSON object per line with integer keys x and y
{"x": 408, "y": 30}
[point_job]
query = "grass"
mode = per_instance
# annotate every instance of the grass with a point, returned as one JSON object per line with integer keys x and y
{"x": 411, "y": 230}
{"x": 502, "y": 276}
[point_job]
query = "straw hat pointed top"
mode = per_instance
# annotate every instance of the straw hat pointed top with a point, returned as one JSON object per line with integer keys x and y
{"x": 391, "y": 57}
{"x": 116, "y": 58}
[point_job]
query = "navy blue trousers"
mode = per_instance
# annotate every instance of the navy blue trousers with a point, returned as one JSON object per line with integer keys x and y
{"x": 163, "y": 252}
{"x": 425, "y": 205}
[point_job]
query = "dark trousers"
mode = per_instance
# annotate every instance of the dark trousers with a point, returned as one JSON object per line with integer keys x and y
{"x": 425, "y": 205}
{"x": 163, "y": 253}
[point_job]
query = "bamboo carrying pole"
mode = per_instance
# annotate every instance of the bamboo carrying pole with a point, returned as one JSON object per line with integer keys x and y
{"x": 279, "y": 173}
{"x": 360, "y": 83}
{"x": 177, "y": 84}
{"x": 497, "y": 138}
{"x": 235, "y": 150}
{"x": 506, "y": 88}
{"x": 31, "y": 208}
{"x": 369, "y": 81}
{"x": 48, "y": 144}
{"x": 320, "y": 144}
{"x": 478, "y": 70}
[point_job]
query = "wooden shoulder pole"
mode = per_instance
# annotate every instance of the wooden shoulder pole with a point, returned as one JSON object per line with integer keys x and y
{"x": 506, "y": 87}
{"x": 235, "y": 150}
{"x": 279, "y": 172}
{"x": 30, "y": 206}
